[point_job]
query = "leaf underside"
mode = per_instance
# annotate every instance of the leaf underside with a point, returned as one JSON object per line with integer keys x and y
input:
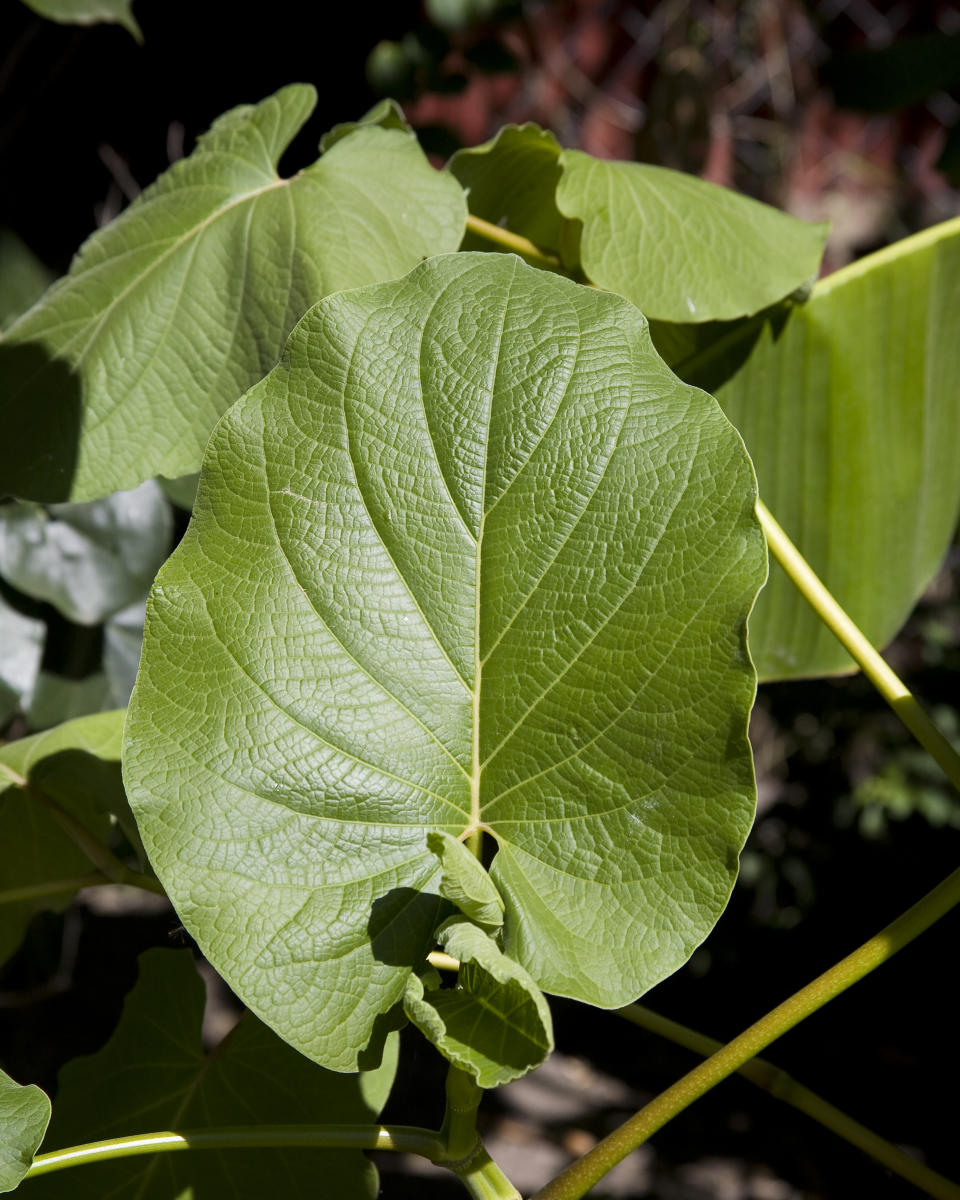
{"x": 469, "y": 555}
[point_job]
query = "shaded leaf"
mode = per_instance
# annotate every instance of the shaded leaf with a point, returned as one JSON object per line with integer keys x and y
{"x": 88, "y": 12}
{"x": 469, "y": 555}
{"x": 512, "y": 181}
{"x": 168, "y": 313}
{"x": 88, "y": 560}
{"x": 154, "y": 1074}
{"x": 386, "y": 114}
{"x": 465, "y": 883}
{"x": 680, "y": 248}
{"x": 495, "y": 1023}
{"x": 24, "y": 1113}
{"x": 848, "y": 406}
{"x": 78, "y": 764}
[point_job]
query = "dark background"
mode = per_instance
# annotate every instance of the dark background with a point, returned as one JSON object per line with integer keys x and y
{"x": 833, "y": 109}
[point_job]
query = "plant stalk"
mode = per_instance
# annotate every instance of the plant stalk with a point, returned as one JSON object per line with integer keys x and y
{"x": 783, "y": 1086}
{"x": 890, "y": 686}
{"x": 577, "y": 1179}
{"x": 515, "y": 242}
{"x": 407, "y": 1139}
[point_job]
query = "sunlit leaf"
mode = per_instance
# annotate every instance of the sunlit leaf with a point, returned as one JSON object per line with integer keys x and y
{"x": 181, "y": 303}
{"x": 469, "y": 556}
{"x": 465, "y": 883}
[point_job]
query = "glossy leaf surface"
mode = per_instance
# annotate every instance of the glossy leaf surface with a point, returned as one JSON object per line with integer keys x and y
{"x": 469, "y": 556}
{"x": 154, "y": 1074}
{"x": 850, "y": 407}
{"x": 78, "y": 765}
{"x": 495, "y": 1023}
{"x": 183, "y": 301}
{"x": 88, "y": 560}
{"x": 24, "y": 1113}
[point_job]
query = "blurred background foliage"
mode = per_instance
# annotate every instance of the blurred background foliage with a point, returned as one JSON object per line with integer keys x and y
{"x": 846, "y": 110}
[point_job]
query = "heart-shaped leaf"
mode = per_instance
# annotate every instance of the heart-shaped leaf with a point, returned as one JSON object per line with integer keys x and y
{"x": 465, "y": 883}
{"x": 78, "y": 765}
{"x": 24, "y": 1113}
{"x": 154, "y": 1074}
{"x": 848, "y": 404}
{"x": 469, "y": 557}
{"x": 168, "y": 313}
{"x": 88, "y": 560}
{"x": 495, "y": 1024}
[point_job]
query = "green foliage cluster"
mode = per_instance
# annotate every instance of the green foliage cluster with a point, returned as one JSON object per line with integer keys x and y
{"x": 452, "y": 666}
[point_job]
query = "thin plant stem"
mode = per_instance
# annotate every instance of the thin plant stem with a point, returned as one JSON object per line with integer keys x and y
{"x": 52, "y": 887}
{"x": 577, "y": 1179}
{"x": 890, "y": 686}
{"x": 407, "y": 1139}
{"x": 515, "y": 242}
{"x": 783, "y": 1086}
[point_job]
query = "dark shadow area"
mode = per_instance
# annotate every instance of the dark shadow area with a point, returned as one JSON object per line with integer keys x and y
{"x": 402, "y": 924}
{"x": 40, "y": 418}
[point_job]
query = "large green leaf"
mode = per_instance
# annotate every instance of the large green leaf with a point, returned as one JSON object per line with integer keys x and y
{"x": 850, "y": 407}
{"x": 470, "y": 555}
{"x": 89, "y": 560}
{"x": 154, "y": 1074}
{"x": 88, "y": 12}
{"x": 78, "y": 765}
{"x": 495, "y": 1023}
{"x": 24, "y": 1113}
{"x": 170, "y": 312}
{"x": 680, "y": 248}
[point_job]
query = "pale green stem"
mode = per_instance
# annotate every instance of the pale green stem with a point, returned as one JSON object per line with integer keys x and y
{"x": 784, "y": 1087}
{"x": 581, "y": 1175}
{"x": 882, "y": 676}
{"x": 513, "y": 241}
{"x": 407, "y": 1139}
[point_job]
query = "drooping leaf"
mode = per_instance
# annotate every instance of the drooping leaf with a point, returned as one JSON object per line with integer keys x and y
{"x": 23, "y": 277}
{"x": 512, "y": 180}
{"x": 88, "y": 560}
{"x": 154, "y": 1074}
{"x": 495, "y": 1023}
{"x": 88, "y": 12}
{"x": 469, "y": 554}
{"x": 24, "y": 1113}
{"x": 21, "y": 639}
{"x": 386, "y": 114}
{"x": 172, "y": 310}
{"x": 849, "y": 407}
{"x": 78, "y": 765}
{"x": 465, "y": 883}
{"x": 680, "y": 248}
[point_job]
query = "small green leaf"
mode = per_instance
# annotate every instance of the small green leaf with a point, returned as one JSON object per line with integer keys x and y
{"x": 469, "y": 555}
{"x": 88, "y": 12}
{"x": 848, "y": 406}
{"x": 24, "y": 1113}
{"x": 171, "y": 311}
{"x": 385, "y": 114}
{"x": 680, "y": 248}
{"x": 154, "y": 1074}
{"x": 23, "y": 277}
{"x": 495, "y": 1023}
{"x": 78, "y": 764}
{"x": 512, "y": 181}
{"x": 465, "y": 883}
{"x": 88, "y": 560}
